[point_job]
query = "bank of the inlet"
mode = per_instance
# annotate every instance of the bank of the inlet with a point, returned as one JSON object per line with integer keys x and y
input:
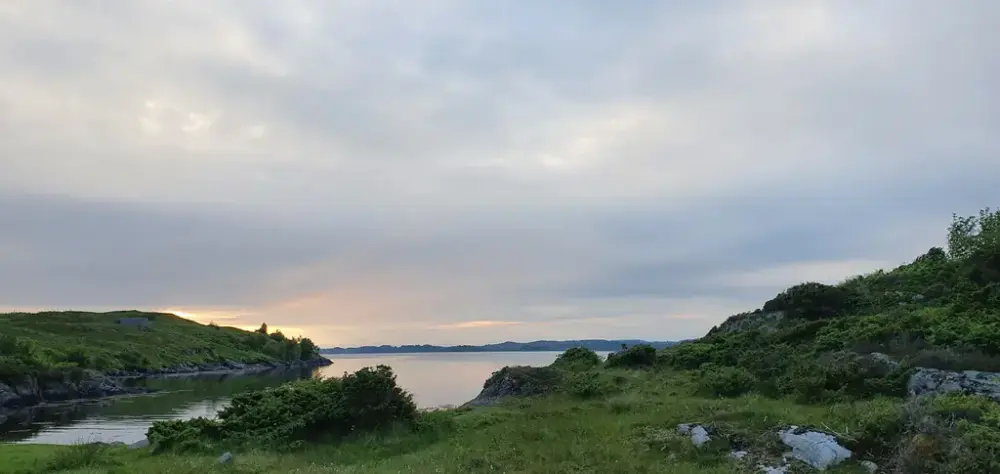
{"x": 60, "y": 357}
{"x": 897, "y": 371}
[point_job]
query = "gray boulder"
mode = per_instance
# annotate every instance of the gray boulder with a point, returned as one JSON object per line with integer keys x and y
{"x": 814, "y": 448}
{"x": 226, "y": 457}
{"x": 926, "y": 381}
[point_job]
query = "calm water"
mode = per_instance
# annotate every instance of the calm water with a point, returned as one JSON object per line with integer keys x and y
{"x": 433, "y": 379}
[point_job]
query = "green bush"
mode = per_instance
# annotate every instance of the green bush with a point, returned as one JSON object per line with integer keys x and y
{"x": 577, "y": 358}
{"x": 637, "y": 356}
{"x": 726, "y": 381}
{"x": 591, "y": 384}
{"x": 811, "y": 301}
{"x": 295, "y": 412}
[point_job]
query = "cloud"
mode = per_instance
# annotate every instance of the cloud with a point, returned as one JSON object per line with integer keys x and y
{"x": 384, "y": 171}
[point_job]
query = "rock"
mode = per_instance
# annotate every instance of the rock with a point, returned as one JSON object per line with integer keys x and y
{"x": 699, "y": 435}
{"x": 766, "y": 322}
{"x": 870, "y": 466}
{"x": 226, "y": 457}
{"x": 883, "y": 360}
{"x": 814, "y": 448}
{"x": 517, "y": 381}
{"x": 917, "y": 297}
{"x": 738, "y": 455}
{"x": 926, "y": 381}
{"x": 142, "y": 443}
{"x": 782, "y": 469}
{"x": 8, "y": 396}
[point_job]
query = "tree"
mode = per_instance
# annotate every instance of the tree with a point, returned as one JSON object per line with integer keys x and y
{"x": 972, "y": 235}
{"x": 309, "y": 349}
{"x": 263, "y": 328}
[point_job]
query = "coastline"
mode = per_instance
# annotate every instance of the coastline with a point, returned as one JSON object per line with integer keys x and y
{"x": 31, "y": 393}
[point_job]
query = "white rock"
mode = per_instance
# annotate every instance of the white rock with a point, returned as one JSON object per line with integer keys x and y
{"x": 699, "y": 435}
{"x": 870, "y": 466}
{"x": 783, "y": 469}
{"x": 737, "y": 455}
{"x": 225, "y": 458}
{"x": 816, "y": 449}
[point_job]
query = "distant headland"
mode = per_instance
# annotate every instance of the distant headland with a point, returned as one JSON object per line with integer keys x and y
{"x": 533, "y": 346}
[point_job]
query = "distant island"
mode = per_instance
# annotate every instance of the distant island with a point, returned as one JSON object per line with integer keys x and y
{"x": 533, "y": 346}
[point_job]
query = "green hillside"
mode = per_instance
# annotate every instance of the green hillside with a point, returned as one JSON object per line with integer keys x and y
{"x": 812, "y": 340}
{"x": 40, "y": 343}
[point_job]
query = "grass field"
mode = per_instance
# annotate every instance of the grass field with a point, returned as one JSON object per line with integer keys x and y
{"x": 629, "y": 430}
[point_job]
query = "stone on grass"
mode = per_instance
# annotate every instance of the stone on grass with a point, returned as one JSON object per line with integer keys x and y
{"x": 699, "y": 435}
{"x": 870, "y": 466}
{"x": 814, "y": 448}
{"x": 225, "y": 458}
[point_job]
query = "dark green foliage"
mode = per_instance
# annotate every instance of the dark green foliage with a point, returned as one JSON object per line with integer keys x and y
{"x": 591, "y": 384}
{"x": 637, "y": 356}
{"x": 726, "y": 381}
{"x": 295, "y": 412}
{"x": 577, "y": 358}
{"x": 811, "y": 301}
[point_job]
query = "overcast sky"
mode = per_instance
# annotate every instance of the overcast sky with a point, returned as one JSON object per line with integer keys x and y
{"x": 455, "y": 171}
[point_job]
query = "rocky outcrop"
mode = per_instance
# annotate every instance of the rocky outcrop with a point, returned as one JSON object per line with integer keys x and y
{"x": 764, "y": 321}
{"x": 227, "y": 366}
{"x": 29, "y": 390}
{"x": 926, "y": 381}
{"x": 517, "y": 381}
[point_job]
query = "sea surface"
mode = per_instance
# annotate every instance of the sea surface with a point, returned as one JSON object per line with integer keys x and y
{"x": 435, "y": 379}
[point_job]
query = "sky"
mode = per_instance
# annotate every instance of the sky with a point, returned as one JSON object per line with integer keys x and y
{"x": 472, "y": 171}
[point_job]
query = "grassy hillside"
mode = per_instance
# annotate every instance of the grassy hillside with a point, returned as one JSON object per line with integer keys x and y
{"x": 812, "y": 340}
{"x": 832, "y": 358}
{"x": 39, "y": 343}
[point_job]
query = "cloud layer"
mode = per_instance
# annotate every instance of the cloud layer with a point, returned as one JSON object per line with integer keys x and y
{"x": 464, "y": 172}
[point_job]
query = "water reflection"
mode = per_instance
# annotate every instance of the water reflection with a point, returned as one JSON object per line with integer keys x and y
{"x": 433, "y": 379}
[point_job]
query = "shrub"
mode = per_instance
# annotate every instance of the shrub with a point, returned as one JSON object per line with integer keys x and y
{"x": 637, "y": 356}
{"x": 295, "y": 412}
{"x": 577, "y": 358}
{"x": 590, "y": 384}
{"x": 811, "y": 301}
{"x": 726, "y": 381}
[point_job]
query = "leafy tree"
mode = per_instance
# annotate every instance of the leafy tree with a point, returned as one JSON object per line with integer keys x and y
{"x": 263, "y": 328}
{"x": 309, "y": 350}
{"x": 970, "y": 235}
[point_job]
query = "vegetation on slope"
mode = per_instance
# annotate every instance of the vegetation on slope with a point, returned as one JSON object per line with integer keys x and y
{"x": 56, "y": 342}
{"x": 813, "y": 341}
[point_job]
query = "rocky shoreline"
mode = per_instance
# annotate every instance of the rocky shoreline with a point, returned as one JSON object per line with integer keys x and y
{"x": 30, "y": 391}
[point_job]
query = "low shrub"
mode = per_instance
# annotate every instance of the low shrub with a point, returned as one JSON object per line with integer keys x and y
{"x": 577, "y": 358}
{"x": 591, "y": 384}
{"x": 296, "y": 412}
{"x": 726, "y": 381}
{"x": 637, "y": 356}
